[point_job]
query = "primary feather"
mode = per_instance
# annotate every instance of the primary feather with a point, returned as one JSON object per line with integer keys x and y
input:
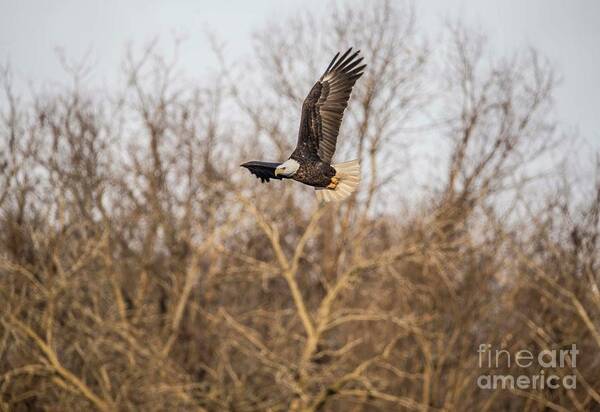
{"x": 323, "y": 108}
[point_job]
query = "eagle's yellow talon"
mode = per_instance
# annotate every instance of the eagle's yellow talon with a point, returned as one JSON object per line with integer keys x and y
{"x": 334, "y": 182}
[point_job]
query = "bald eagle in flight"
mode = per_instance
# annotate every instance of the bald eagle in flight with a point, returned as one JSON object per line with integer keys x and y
{"x": 322, "y": 112}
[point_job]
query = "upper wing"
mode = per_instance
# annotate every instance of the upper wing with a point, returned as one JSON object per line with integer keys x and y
{"x": 263, "y": 170}
{"x": 323, "y": 108}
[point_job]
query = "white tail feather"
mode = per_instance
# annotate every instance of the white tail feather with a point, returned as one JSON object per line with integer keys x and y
{"x": 348, "y": 174}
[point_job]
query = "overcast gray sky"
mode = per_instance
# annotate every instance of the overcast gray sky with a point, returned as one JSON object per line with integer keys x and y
{"x": 567, "y": 32}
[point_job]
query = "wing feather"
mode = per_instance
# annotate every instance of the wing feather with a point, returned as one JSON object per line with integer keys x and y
{"x": 323, "y": 108}
{"x": 336, "y": 86}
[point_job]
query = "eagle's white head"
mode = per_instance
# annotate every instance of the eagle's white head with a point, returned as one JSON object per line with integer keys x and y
{"x": 287, "y": 168}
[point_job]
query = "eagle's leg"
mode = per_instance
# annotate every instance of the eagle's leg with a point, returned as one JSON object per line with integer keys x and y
{"x": 334, "y": 182}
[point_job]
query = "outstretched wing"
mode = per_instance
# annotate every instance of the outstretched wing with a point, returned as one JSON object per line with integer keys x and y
{"x": 323, "y": 108}
{"x": 263, "y": 170}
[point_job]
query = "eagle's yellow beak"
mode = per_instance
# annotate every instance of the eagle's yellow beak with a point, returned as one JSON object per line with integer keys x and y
{"x": 277, "y": 171}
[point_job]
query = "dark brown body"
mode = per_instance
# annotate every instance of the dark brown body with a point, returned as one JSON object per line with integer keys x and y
{"x": 314, "y": 173}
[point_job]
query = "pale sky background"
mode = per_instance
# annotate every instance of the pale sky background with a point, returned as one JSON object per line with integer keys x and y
{"x": 567, "y": 32}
